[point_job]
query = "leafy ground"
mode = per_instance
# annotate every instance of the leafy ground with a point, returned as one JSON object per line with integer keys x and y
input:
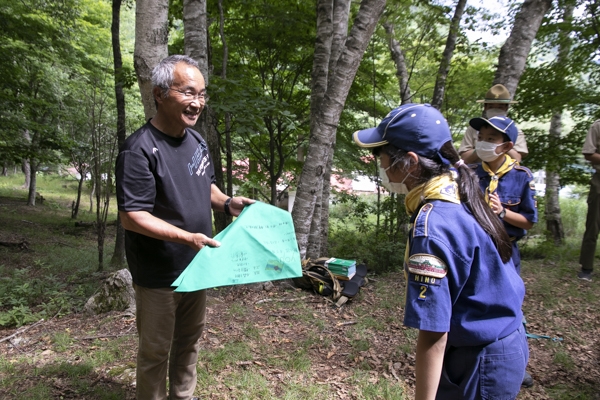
{"x": 281, "y": 343}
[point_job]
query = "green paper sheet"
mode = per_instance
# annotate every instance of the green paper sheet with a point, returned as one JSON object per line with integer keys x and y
{"x": 260, "y": 245}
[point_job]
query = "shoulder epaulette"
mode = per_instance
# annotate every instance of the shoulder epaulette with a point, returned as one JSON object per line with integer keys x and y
{"x": 420, "y": 224}
{"x": 524, "y": 169}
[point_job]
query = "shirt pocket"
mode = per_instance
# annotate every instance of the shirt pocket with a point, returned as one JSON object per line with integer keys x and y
{"x": 511, "y": 201}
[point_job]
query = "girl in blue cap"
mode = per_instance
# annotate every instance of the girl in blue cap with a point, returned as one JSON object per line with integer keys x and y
{"x": 463, "y": 293}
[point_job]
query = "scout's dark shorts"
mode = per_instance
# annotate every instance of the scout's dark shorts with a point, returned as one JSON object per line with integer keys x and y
{"x": 491, "y": 372}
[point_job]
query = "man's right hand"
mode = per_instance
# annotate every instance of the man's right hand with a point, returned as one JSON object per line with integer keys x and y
{"x": 197, "y": 241}
{"x": 146, "y": 224}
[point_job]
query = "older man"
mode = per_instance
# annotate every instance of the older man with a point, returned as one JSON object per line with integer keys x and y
{"x": 165, "y": 192}
{"x": 496, "y": 103}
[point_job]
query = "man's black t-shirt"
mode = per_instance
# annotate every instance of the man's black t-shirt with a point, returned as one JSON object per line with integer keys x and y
{"x": 171, "y": 179}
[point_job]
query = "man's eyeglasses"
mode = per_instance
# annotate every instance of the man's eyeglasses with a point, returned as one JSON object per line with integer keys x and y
{"x": 189, "y": 95}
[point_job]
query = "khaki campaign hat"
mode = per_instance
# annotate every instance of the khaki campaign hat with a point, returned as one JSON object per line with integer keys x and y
{"x": 498, "y": 94}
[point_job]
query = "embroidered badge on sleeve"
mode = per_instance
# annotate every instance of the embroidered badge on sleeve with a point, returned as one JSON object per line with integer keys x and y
{"x": 427, "y": 265}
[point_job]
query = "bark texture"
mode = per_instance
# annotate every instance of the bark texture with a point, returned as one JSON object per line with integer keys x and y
{"x": 553, "y": 216}
{"x": 554, "y": 224}
{"x": 327, "y": 117}
{"x": 514, "y": 52}
{"x": 118, "y": 257}
{"x": 151, "y": 39}
{"x": 400, "y": 62}
{"x": 195, "y": 25}
{"x": 440, "y": 82}
{"x": 332, "y": 28}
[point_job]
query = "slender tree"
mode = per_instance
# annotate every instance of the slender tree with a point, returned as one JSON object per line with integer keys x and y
{"x": 400, "y": 62}
{"x": 323, "y": 131}
{"x": 118, "y": 258}
{"x": 151, "y": 39}
{"x": 196, "y": 44}
{"x": 442, "y": 75}
{"x": 334, "y": 23}
{"x": 514, "y": 52}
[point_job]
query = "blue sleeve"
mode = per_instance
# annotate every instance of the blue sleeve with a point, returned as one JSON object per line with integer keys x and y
{"x": 528, "y": 206}
{"x": 428, "y": 299}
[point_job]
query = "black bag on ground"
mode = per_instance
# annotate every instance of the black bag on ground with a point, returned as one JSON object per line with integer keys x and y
{"x": 317, "y": 277}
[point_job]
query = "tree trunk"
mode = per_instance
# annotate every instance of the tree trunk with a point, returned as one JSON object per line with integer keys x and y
{"x": 440, "y": 82}
{"x": 341, "y": 14}
{"x": 553, "y": 218}
{"x": 196, "y": 34}
{"x": 196, "y": 46}
{"x": 324, "y": 237}
{"x": 25, "y": 166}
{"x": 151, "y": 39}
{"x": 33, "y": 166}
{"x": 75, "y": 206}
{"x": 515, "y": 50}
{"x": 554, "y": 224}
{"x": 228, "y": 144}
{"x": 323, "y": 131}
{"x": 399, "y": 61}
{"x": 332, "y": 28}
{"x": 92, "y": 194}
{"x": 118, "y": 257}
{"x": 320, "y": 70}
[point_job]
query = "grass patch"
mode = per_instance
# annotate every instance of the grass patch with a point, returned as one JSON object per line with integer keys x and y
{"x": 228, "y": 355}
{"x": 374, "y": 388}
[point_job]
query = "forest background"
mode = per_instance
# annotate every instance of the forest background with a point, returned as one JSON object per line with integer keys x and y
{"x": 289, "y": 81}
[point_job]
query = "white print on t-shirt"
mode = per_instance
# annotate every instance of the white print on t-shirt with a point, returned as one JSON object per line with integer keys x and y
{"x": 199, "y": 162}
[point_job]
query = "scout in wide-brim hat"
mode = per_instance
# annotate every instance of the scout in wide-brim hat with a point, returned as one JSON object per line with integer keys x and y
{"x": 498, "y": 94}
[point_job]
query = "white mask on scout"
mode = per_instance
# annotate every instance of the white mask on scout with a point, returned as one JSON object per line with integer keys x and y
{"x": 395, "y": 187}
{"x": 487, "y": 151}
{"x": 493, "y": 112}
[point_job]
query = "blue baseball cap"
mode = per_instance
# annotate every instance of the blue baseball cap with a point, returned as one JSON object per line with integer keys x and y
{"x": 419, "y": 128}
{"x": 499, "y": 123}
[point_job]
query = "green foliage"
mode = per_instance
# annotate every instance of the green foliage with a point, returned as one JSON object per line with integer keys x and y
{"x": 354, "y": 233}
{"x": 27, "y": 295}
{"x": 537, "y": 246}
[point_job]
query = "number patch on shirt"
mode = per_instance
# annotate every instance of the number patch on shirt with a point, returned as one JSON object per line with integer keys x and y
{"x": 422, "y": 291}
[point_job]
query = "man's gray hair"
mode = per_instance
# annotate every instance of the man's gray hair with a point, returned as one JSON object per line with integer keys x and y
{"x": 162, "y": 74}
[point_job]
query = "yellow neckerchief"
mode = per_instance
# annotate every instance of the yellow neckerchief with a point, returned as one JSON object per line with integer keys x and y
{"x": 442, "y": 187}
{"x": 509, "y": 163}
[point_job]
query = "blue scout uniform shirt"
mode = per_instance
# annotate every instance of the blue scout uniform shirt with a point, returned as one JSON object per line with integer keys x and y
{"x": 517, "y": 193}
{"x": 457, "y": 282}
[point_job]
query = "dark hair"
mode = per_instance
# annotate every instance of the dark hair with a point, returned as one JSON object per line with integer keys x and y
{"x": 468, "y": 189}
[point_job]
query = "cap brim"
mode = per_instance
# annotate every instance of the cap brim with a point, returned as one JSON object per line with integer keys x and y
{"x": 477, "y": 123}
{"x": 497, "y": 101}
{"x": 369, "y": 138}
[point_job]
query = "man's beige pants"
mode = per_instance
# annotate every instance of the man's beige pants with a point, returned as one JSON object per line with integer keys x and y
{"x": 169, "y": 326}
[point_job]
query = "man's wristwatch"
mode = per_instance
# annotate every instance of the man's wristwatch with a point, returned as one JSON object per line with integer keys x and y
{"x": 502, "y": 213}
{"x": 226, "y": 206}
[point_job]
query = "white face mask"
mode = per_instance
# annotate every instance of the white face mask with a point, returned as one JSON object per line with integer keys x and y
{"x": 493, "y": 112}
{"x": 395, "y": 187}
{"x": 487, "y": 151}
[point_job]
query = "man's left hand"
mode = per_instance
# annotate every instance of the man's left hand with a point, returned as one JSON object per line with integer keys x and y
{"x": 237, "y": 204}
